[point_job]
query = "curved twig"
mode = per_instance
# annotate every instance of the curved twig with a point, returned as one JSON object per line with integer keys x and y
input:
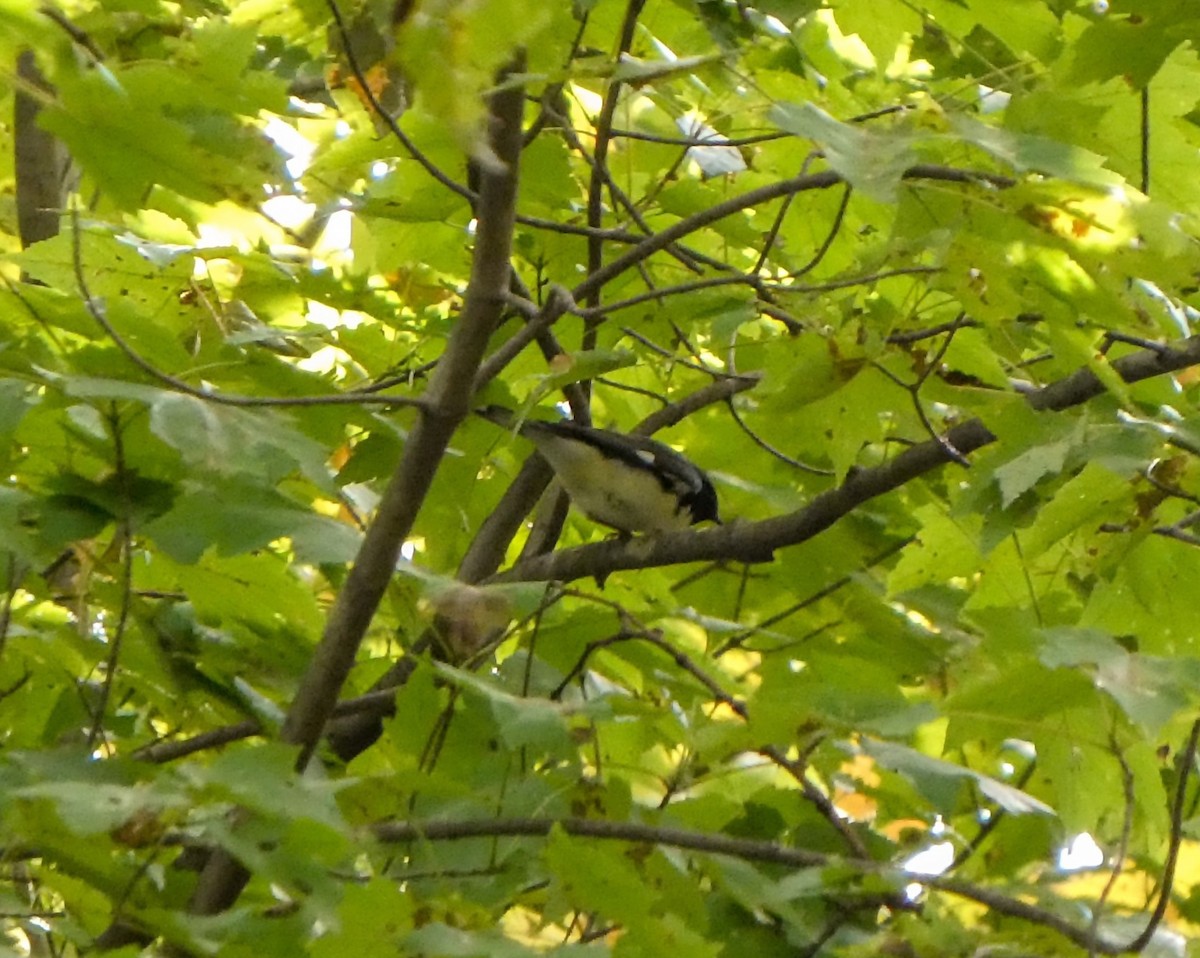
{"x": 602, "y": 131}
{"x": 96, "y": 310}
{"x": 763, "y": 194}
{"x": 125, "y": 549}
{"x": 761, "y": 285}
{"x": 769, "y": 449}
{"x": 1186, "y": 760}
{"x": 1127, "y": 792}
{"x": 390, "y": 121}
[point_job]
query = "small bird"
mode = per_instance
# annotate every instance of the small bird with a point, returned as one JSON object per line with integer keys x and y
{"x": 630, "y": 483}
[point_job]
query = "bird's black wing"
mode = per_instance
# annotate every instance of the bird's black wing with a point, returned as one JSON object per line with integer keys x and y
{"x": 674, "y": 472}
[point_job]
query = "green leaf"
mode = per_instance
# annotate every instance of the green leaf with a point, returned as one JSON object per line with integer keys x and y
{"x": 441, "y": 941}
{"x": 881, "y": 26}
{"x": 581, "y": 366}
{"x": 870, "y": 161}
{"x": 939, "y": 780}
{"x": 89, "y": 798}
{"x": 223, "y": 440}
{"x": 233, "y": 517}
{"x": 1151, "y": 690}
{"x": 1035, "y": 154}
{"x": 260, "y": 778}
{"x": 371, "y": 918}
{"x": 1023, "y": 472}
{"x": 601, "y": 876}
{"x": 843, "y": 691}
{"x": 1133, "y": 46}
{"x": 521, "y": 721}
{"x": 946, "y": 546}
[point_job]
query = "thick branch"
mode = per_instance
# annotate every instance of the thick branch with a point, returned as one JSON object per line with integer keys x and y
{"x": 757, "y": 541}
{"x": 743, "y": 848}
{"x": 448, "y": 401}
{"x": 487, "y": 550}
{"x": 40, "y": 161}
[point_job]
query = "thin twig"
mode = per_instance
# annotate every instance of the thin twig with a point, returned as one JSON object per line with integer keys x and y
{"x": 671, "y": 355}
{"x": 798, "y": 769}
{"x": 761, "y": 284}
{"x": 1127, "y": 790}
{"x": 755, "y": 198}
{"x": 680, "y": 289}
{"x": 834, "y": 228}
{"x": 16, "y": 686}
{"x": 690, "y": 141}
{"x": 368, "y": 92}
{"x": 78, "y": 36}
{"x": 620, "y": 197}
{"x": 822, "y": 593}
{"x": 693, "y": 402}
{"x": 1141, "y": 342}
{"x": 602, "y": 129}
{"x": 914, "y": 390}
{"x": 124, "y": 535}
{"x": 613, "y": 235}
{"x": 376, "y": 702}
{"x": 638, "y": 633}
{"x": 96, "y": 310}
{"x": 10, "y": 592}
{"x": 629, "y": 388}
{"x": 915, "y": 335}
{"x": 633, "y": 630}
{"x": 997, "y": 815}
{"x": 772, "y": 450}
{"x": 777, "y": 224}
{"x": 557, "y": 303}
{"x": 1186, "y": 760}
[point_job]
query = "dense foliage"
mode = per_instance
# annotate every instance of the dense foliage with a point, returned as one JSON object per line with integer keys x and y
{"x": 291, "y": 664}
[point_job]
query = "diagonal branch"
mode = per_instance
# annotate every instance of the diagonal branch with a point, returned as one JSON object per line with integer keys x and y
{"x": 447, "y": 403}
{"x": 757, "y": 541}
{"x": 753, "y": 198}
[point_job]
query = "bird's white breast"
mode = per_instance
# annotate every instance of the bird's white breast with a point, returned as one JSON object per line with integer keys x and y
{"x": 610, "y": 491}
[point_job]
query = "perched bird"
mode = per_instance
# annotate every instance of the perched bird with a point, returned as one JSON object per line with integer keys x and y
{"x": 630, "y": 483}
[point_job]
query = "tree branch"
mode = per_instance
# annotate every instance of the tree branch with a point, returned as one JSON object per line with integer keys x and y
{"x": 756, "y": 197}
{"x": 40, "y": 160}
{"x": 757, "y": 541}
{"x": 1187, "y": 758}
{"x": 447, "y": 403}
{"x": 603, "y": 127}
{"x": 743, "y": 848}
{"x": 96, "y": 310}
